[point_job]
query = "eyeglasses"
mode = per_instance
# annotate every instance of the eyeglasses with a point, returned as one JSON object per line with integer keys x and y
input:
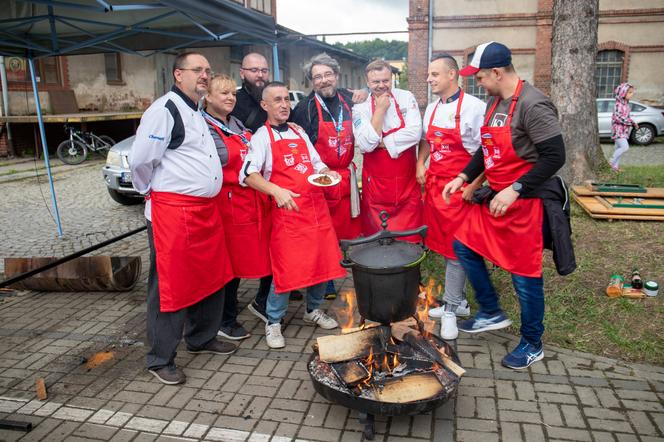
{"x": 327, "y": 75}
{"x": 263, "y": 71}
{"x": 198, "y": 71}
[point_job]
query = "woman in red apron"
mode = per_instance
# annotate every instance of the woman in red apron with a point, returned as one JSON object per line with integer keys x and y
{"x": 390, "y": 184}
{"x": 336, "y": 146}
{"x": 244, "y": 212}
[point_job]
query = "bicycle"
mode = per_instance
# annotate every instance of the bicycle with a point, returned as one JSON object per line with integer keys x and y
{"x": 75, "y": 150}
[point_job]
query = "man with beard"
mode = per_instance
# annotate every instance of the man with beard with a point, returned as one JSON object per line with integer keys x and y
{"x": 255, "y": 74}
{"x": 174, "y": 163}
{"x": 325, "y": 115}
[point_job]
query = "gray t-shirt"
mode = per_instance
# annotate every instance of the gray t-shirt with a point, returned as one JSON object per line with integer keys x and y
{"x": 535, "y": 120}
{"x": 236, "y": 126}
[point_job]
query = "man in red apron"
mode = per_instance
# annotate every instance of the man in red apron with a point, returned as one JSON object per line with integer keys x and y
{"x": 304, "y": 249}
{"x": 175, "y": 164}
{"x": 387, "y": 129}
{"x": 522, "y": 147}
{"x": 451, "y": 128}
{"x": 325, "y": 115}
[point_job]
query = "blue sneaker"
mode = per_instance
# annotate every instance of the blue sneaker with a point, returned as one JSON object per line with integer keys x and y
{"x": 523, "y": 356}
{"x": 483, "y": 322}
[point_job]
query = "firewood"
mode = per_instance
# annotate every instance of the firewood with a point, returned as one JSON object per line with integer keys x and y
{"x": 409, "y": 388}
{"x": 40, "y": 386}
{"x": 350, "y": 373}
{"x": 450, "y": 364}
{"x": 399, "y": 329}
{"x": 339, "y": 348}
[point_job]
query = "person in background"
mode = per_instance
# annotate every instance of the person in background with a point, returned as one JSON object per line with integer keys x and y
{"x": 245, "y": 212}
{"x": 621, "y": 123}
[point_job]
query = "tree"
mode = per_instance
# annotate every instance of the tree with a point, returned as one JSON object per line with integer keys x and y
{"x": 377, "y": 48}
{"x": 574, "y": 49}
{"x": 403, "y": 77}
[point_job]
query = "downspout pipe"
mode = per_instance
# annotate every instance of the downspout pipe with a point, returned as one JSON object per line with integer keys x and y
{"x": 5, "y": 100}
{"x": 430, "y": 45}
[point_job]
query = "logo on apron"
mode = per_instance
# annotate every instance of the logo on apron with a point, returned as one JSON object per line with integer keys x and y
{"x": 496, "y": 152}
{"x": 437, "y": 156}
{"x": 445, "y": 148}
{"x": 438, "y": 134}
{"x": 243, "y": 153}
{"x": 332, "y": 142}
{"x": 289, "y": 159}
{"x": 305, "y": 158}
{"x": 301, "y": 168}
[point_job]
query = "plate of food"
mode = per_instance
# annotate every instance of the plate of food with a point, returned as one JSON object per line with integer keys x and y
{"x": 322, "y": 180}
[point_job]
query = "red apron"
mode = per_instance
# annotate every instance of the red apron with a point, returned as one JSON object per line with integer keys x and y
{"x": 447, "y": 159}
{"x": 389, "y": 184}
{"x": 512, "y": 241}
{"x": 303, "y": 245}
{"x": 244, "y": 213}
{"x": 336, "y": 150}
{"x": 192, "y": 259}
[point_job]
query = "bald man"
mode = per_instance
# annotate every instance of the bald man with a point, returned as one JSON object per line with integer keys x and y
{"x": 255, "y": 74}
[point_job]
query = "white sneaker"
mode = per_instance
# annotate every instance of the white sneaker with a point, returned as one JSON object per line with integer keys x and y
{"x": 462, "y": 309}
{"x": 273, "y": 336}
{"x": 320, "y": 318}
{"x": 448, "y": 326}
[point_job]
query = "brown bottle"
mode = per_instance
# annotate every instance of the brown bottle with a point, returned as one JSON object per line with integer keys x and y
{"x": 637, "y": 282}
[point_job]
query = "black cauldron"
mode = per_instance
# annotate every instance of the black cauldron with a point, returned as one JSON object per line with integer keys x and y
{"x": 386, "y": 273}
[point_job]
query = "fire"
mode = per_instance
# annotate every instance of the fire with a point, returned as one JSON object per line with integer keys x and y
{"x": 345, "y": 314}
{"x": 426, "y": 300}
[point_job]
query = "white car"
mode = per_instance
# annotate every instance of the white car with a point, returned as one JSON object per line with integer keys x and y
{"x": 117, "y": 175}
{"x": 296, "y": 97}
{"x": 650, "y": 120}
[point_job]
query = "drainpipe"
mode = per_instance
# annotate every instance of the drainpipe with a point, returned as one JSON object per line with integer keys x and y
{"x": 5, "y": 102}
{"x": 430, "y": 45}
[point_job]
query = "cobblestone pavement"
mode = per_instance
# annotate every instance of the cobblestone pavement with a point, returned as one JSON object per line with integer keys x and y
{"x": 259, "y": 394}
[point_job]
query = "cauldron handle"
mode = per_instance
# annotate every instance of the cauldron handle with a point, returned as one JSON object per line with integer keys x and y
{"x": 383, "y": 234}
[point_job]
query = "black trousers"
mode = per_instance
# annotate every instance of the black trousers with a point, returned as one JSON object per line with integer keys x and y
{"x": 230, "y": 303}
{"x": 199, "y": 322}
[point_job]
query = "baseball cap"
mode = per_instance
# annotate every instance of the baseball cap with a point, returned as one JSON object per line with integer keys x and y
{"x": 488, "y": 55}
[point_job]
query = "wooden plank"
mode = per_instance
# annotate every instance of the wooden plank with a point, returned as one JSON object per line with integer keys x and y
{"x": 339, "y": 348}
{"x": 595, "y": 205}
{"x": 40, "y": 386}
{"x": 409, "y": 388}
{"x": 451, "y": 365}
{"x": 651, "y": 192}
{"x": 63, "y": 102}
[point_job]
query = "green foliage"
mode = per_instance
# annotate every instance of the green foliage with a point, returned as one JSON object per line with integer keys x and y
{"x": 377, "y": 48}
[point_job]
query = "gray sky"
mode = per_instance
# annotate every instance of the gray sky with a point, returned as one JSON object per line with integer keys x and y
{"x": 309, "y": 17}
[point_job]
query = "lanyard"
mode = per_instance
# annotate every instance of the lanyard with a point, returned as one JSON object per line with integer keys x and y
{"x": 214, "y": 122}
{"x": 338, "y": 125}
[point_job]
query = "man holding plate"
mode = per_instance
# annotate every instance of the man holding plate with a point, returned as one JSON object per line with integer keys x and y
{"x": 303, "y": 244}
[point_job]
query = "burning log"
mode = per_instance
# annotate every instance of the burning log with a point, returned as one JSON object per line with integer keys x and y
{"x": 413, "y": 387}
{"x": 358, "y": 345}
{"x": 350, "y": 373}
{"x": 425, "y": 347}
{"x": 399, "y": 329}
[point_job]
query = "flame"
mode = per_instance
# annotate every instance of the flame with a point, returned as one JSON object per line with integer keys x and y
{"x": 345, "y": 314}
{"x": 426, "y": 300}
{"x": 395, "y": 361}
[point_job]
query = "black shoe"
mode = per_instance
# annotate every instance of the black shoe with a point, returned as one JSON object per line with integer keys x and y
{"x": 234, "y": 332}
{"x": 296, "y": 295}
{"x": 215, "y": 347}
{"x": 169, "y": 375}
{"x": 258, "y": 311}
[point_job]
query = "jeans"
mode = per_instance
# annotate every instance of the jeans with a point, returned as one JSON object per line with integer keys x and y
{"x": 277, "y": 304}
{"x": 529, "y": 290}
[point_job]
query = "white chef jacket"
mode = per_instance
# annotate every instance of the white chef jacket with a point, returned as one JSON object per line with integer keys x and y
{"x": 366, "y": 137}
{"x": 472, "y": 119}
{"x": 174, "y": 151}
{"x": 259, "y": 157}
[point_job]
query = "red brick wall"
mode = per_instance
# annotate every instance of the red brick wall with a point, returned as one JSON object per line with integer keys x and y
{"x": 418, "y": 42}
{"x": 542, "y": 74}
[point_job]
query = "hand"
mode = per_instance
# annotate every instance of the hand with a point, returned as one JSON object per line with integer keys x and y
{"x": 421, "y": 173}
{"x": 502, "y": 201}
{"x": 451, "y": 187}
{"x": 468, "y": 191}
{"x": 284, "y": 198}
{"x": 360, "y": 96}
{"x": 383, "y": 102}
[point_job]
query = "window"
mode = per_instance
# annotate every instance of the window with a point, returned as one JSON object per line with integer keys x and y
{"x": 608, "y": 72}
{"x": 636, "y": 107}
{"x": 113, "y": 68}
{"x": 472, "y": 87}
{"x": 605, "y": 106}
{"x": 48, "y": 70}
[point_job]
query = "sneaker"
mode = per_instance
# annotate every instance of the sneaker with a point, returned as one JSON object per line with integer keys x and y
{"x": 483, "y": 322}
{"x": 462, "y": 309}
{"x": 523, "y": 356}
{"x": 215, "y": 347}
{"x": 258, "y": 311}
{"x": 235, "y": 332}
{"x": 169, "y": 375}
{"x": 320, "y": 318}
{"x": 296, "y": 295}
{"x": 448, "y": 326}
{"x": 273, "y": 336}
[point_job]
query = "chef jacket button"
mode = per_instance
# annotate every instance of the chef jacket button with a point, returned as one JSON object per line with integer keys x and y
{"x": 210, "y": 156}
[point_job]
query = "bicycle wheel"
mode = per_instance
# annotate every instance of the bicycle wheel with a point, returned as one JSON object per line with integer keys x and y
{"x": 72, "y": 152}
{"x": 103, "y": 150}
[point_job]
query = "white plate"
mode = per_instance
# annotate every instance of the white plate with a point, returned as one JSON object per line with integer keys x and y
{"x": 311, "y": 179}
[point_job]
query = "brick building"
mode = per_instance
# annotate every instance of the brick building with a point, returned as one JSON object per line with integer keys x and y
{"x": 630, "y": 41}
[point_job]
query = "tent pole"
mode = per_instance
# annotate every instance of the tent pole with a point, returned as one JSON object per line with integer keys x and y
{"x": 275, "y": 62}
{"x": 42, "y": 132}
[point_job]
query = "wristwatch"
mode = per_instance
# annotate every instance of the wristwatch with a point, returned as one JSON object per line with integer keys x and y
{"x": 517, "y": 187}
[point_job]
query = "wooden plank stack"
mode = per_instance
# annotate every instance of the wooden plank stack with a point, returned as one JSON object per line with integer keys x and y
{"x": 620, "y": 201}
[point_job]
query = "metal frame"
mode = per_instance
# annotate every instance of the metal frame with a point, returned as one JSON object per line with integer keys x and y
{"x": 103, "y": 42}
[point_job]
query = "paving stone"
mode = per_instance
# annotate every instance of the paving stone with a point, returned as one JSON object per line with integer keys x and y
{"x": 400, "y": 425}
{"x": 607, "y": 398}
{"x": 638, "y": 395}
{"x": 293, "y": 417}
{"x": 602, "y": 413}
{"x": 587, "y": 396}
{"x": 72, "y": 414}
{"x": 504, "y": 404}
{"x": 321, "y": 434}
{"x": 533, "y": 433}
{"x": 643, "y": 405}
{"x": 196, "y": 431}
{"x": 336, "y": 417}
{"x": 476, "y": 436}
{"x": 568, "y": 434}
{"x": 124, "y": 436}
{"x": 505, "y": 390}
{"x": 465, "y": 406}
{"x": 573, "y": 417}
{"x": 176, "y": 428}
{"x": 476, "y": 424}
{"x": 551, "y": 415}
{"x": 610, "y": 425}
{"x": 94, "y": 431}
{"x": 524, "y": 391}
{"x": 510, "y": 431}
{"x": 226, "y": 435}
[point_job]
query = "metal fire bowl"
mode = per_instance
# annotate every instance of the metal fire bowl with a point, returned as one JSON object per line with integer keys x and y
{"x": 374, "y": 407}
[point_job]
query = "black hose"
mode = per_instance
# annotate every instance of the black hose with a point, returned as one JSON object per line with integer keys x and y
{"x": 64, "y": 259}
